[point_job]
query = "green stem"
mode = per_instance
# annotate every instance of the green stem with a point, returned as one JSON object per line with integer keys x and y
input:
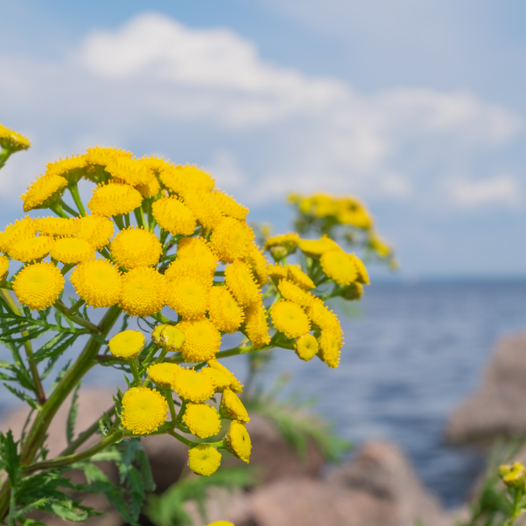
{"x": 181, "y": 438}
{"x": 170, "y": 398}
{"x": 4, "y": 155}
{"x": 39, "y": 389}
{"x": 68, "y": 209}
{"x": 140, "y": 217}
{"x": 74, "y": 318}
{"x": 76, "y": 197}
{"x": 57, "y": 208}
{"x": 181, "y": 412}
{"x": 135, "y": 370}
{"x": 76, "y": 306}
{"x": 118, "y": 222}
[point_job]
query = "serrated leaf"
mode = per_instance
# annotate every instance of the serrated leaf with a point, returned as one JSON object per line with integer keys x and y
{"x": 10, "y": 457}
{"x": 22, "y": 396}
{"x": 72, "y": 415}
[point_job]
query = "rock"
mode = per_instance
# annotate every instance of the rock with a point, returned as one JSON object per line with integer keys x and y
{"x": 496, "y": 409}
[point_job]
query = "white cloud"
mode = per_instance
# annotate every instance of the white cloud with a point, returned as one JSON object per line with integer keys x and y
{"x": 502, "y": 190}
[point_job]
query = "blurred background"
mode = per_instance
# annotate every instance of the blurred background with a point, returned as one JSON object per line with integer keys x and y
{"x": 416, "y": 108}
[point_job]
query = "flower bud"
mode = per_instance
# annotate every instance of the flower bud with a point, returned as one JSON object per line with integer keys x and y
{"x": 168, "y": 336}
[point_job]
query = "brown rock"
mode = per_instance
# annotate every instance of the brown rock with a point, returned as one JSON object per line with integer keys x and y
{"x": 496, "y": 409}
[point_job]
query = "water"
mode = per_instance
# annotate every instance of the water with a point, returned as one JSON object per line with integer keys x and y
{"x": 415, "y": 352}
{"x": 411, "y": 355}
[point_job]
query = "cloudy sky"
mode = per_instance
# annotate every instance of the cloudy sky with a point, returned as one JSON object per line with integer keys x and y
{"x": 416, "y": 107}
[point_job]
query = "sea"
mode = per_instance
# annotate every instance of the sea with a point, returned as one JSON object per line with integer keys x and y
{"x": 413, "y": 352}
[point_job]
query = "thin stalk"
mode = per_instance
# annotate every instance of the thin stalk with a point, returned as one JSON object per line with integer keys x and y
{"x": 57, "y": 208}
{"x": 140, "y": 217}
{"x": 168, "y": 395}
{"x": 68, "y": 209}
{"x": 4, "y": 155}
{"x": 76, "y": 306}
{"x": 181, "y": 438}
{"x": 135, "y": 370}
{"x": 76, "y": 197}
{"x": 118, "y": 222}
{"x": 74, "y": 318}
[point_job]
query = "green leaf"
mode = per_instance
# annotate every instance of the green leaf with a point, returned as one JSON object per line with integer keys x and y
{"x": 22, "y": 396}
{"x": 10, "y": 457}
{"x": 72, "y": 415}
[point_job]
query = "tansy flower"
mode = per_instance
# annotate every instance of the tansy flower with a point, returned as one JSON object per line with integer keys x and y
{"x": 321, "y": 316}
{"x": 31, "y": 248}
{"x": 300, "y": 278}
{"x": 234, "y": 383}
{"x": 229, "y": 206}
{"x": 163, "y": 374}
{"x": 288, "y": 241}
{"x": 4, "y": 267}
{"x": 144, "y": 410}
{"x": 380, "y": 246}
{"x": 193, "y": 386}
{"x": 292, "y": 292}
{"x": 102, "y": 156}
{"x": 330, "y": 342}
{"x": 238, "y": 441}
{"x": 202, "y": 420}
{"x": 70, "y": 168}
{"x": 224, "y": 313}
{"x": 128, "y": 171}
{"x": 241, "y": 284}
{"x": 136, "y": 247}
{"x": 149, "y": 189}
{"x": 232, "y": 407}
{"x": 142, "y": 292}
{"x": 277, "y": 271}
{"x": 97, "y": 230}
{"x": 174, "y": 216}
{"x": 204, "y": 460}
{"x": 202, "y": 340}
{"x": 43, "y": 191}
{"x": 168, "y": 336}
{"x": 126, "y": 344}
{"x": 354, "y": 291}
{"x": 231, "y": 239}
{"x": 72, "y": 250}
{"x": 306, "y": 347}
{"x": 363, "y": 276}
{"x": 22, "y": 228}
{"x": 290, "y": 319}
{"x": 12, "y": 140}
{"x": 114, "y": 199}
{"x": 258, "y": 263}
{"x": 256, "y": 326}
{"x": 188, "y": 296}
{"x": 221, "y": 523}
{"x": 204, "y": 208}
{"x": 38, "y": 286}
{"x": 316, "y": 247}
{"x": 339, "y": 266}
{"x": 187, "y": 267}
{"x": 57, "y": 226}
{"x": 220, "y": 379}
{"x": 181, "y": 179}
{"x": 97, "y": 282}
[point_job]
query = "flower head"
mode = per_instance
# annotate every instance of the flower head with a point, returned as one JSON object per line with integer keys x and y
{"x": 278, "y": 271}
{"x": 316, "y": 247}
{"x": 38, "y": 286}
{"x": 181, "y": 179}
{"x": 57, "y": 226}
{"x": 330, "y": 342}
{"x": 240, "y": 282}
{"x": 339, "y": 266}
{"x": 12, "y": 140}
{"x": 258, "y": 264}
{"x": 44, "y": 190}
{"x": 114, "y": 199}
{"x": 291, "y": 291}
{"x": 136, "y": 247}
{"x": 189, "y": 297}
{"x": 238, "y": 441}
{"x": 290, "y": 319}
{"x": 202, "y": 340}
{"x": 144, "y": 410}
{"x": 229, "y": 206}
{"x": 163, "y": 374}
{"x": 193, "y": 386}
{"x": 204, "y": 460}
{"x": 202, "y": 420}
{"x": 126, "y": 344}
{"x": 142, "y": 292}
{"x": 97, "y": 230}
{"x": 225, "y": 313}
{"x": 256, "y": 326}
{"x": 168, "y": 336}
{"x": 234, "y": 383}
{"x": 72, "y": 250}
{"x": 289, "y": 242}
{"x": 23, "y": 228}
{"x": 128, "y": 170}
{"x": 321, "y": 316}
{"x": 31, "y": 248}
{"x": 363, "y": 276}
{"x": 231, "y": 240}
{"x": 232, "y": 407}
{"x": 4, "y": 267}
{"x": 204, "y": 207}
{"x": 299, "y": 277}
{"x": 174, "y": 216}
{"x": 306, "y": 347}
{"x": 71, "y": 168}
{"x": 97, "y": 282}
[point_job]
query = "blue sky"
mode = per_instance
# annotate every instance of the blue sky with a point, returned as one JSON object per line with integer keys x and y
{"x": 416, "y": 107}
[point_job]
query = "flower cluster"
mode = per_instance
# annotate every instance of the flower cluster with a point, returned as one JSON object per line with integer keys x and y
{"x": 162, "y": 243}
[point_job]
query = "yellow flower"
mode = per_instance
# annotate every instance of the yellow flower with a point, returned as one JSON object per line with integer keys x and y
{"x": 258, "y": 263}
{"x": 114, "y": 199}
{"x": 102, "y": 156}
{"x": 225, "y": 313}
{"x": 221, "y": 523}
{"x": 202, "y": 340}
{"x": 330, "y": 342}
{"x": 232, "y": 407}
{"x": 12, "y": 140}
{"x": 256, "y": 326}
{"x": 231, "y": 239}
{"x": 339, "y": 266}
{"x": 204, "y": 460}
{"x": 240, "y": 282}
{"x": 31, "y": 248}
{"x": 220, "y": 379}
{"x": 144, "y": 410}
{"x": 193, "y": 386}
{"x": 202, "y": 420}
{"x": 354, "y": 291}
{"x": 306, "y": 347}
{"x": 168, "y": 336}
{"x": 292, "y": 292}
{"x": 180, "y": 179}
{"x": 142, "y": 292}
{"x": 234, "y": 383}
{"x": 57, "y": 226}
{"x": 300, "y": 278}
{"x": 380, "y": 246}
{"x": 126, "y": 344}
{"x": 20, "y": 229}
{"x": 136, "y": 247}
{"x": 97, "y": 282}
{"x": 316, "y": 247}
{"x": 38, "y": 286}
{"x": 71, "y": 168}
{"x": 288, "y": 241}
{"x": 203, "y": 207}
{"x": 363, "y": 276}
{"x": 189, "y": 297}
{"x": 43, "y": 191}
{"x": 163, "y": 374}
{"x": 229, "y": 206}
{"x": 151, "y": 188}
{"x": 278, "y": 271}
{"x": 72, "y": 250}
{"x": 238, "y": 441}
{"x": 128, "y": 171}
{"x": 290, "y": 319}
{"x": 321, "y": 316}
{"x": 97, "y": 230}
{"x": 174, "y": 216}
{"x": 4, "y": 267}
